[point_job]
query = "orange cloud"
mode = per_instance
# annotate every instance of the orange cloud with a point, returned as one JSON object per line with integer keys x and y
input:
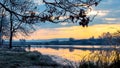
{"x": 76, "y": 32}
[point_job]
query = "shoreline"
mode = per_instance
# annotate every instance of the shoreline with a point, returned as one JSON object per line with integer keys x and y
{"x": 19, "y": 58}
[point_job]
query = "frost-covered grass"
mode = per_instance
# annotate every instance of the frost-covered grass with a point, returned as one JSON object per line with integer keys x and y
{"x": 19, "y": 58}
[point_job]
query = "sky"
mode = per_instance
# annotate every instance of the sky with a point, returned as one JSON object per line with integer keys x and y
{"x": 107, "y": 20}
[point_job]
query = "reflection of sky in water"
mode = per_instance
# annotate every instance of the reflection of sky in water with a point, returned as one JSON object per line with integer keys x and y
{"x": 78, "y": 55}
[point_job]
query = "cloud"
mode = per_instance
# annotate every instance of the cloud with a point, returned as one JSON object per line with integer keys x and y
{"x": 76, "y": 32}
{"x": 64, "y": 23}
{"x": 100, "y": 13}
{"x": 110, "y": 19}
{"x": 39, "y": 2}
{"x": 106, "y": 9}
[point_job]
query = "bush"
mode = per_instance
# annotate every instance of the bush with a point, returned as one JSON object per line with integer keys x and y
{"x": 33, "y": 55}
{"x": 110, "y": 59}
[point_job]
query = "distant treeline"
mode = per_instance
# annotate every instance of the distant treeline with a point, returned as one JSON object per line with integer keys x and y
{"x": 104, "y": 39}
{"x": 79, "y": 42}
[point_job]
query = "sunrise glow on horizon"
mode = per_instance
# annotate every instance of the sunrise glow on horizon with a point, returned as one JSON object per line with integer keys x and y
{"x": 76, "y": 32}
{"x": 107, "y": 20}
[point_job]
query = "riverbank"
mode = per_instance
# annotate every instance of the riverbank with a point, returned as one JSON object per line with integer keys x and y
{"x": 19, "y": 58}
{"x": 86, "y": 58}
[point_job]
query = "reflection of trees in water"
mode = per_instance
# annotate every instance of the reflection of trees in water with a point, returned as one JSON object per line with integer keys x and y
{"x": 70, "y": 49}
{"x": 82, "y": 55}
{"x": 102, "y": 56}
{"x": 96, "y": 57}
{"x": 101, "y": 59}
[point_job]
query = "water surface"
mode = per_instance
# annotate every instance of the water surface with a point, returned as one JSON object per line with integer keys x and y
{"x": 77, "y": 53}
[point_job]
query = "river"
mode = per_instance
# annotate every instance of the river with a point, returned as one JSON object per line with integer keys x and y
{"x": 76, "y": 53}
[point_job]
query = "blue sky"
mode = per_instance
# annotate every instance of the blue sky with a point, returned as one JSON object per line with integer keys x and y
{"x": 107, "y": 20}
{"x": 112, "y": 8}
{"x": 109, "y": 13}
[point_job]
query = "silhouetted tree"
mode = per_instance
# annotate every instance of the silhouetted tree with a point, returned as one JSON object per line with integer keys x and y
{"x": 21, "y": 14}
{"x": 116, "y": 37}
{"x": 15, "y": 11}
{"x": 75, "y": 11}
{"x": 107, "y": 37}
{"x": 111, "y": 38}
{"x": 1, "y": 25}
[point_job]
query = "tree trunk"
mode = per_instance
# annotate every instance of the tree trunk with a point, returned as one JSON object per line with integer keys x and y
{"x": 11, "y": 31}
{"x": 11, "y": 38}
{"x": 1, "y": 30}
